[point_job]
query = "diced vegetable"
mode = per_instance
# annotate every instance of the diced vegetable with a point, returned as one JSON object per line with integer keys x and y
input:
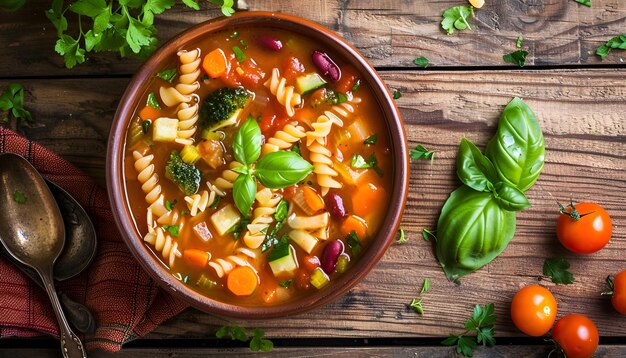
{"x": 222, "y": 107}
{"x": 366, "y": 198}
{"x": 330, "y": 255}
{"x": 212, "y": 135}
{"x": 196, "y": 258}
{"x": 319, "y": 278}
{"x": 311, "y": 262}
{"x": 282, "y": 260}
{"x": 309, "y": 222}
{"x": 202, "y": 231}
{"x": 212, "y": 153}
{"x": 348, "y": 79}
{"x": 206, "y": 283}
{"x": 186, "y": 176}
{"x": 356, "y": 224}
{"x": 190, "y": 154}
{"x": 325, "y": 64}
{"x": 312, "y": 199}
{"x": 215, "y": 64}
{"x": 225, "y": 218}
{"x": 303, "y": 239}
{"x": 149, "y": 112}
{"x": 342, "y": 263}
{"x": 164, "y": 129}
{"x": 359, "y": 131}
{"x": 309, "y": 82}
{"x": 242, "y": 281}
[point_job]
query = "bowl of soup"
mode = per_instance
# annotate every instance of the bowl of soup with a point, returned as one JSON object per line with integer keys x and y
{"x": 257, "y": 166}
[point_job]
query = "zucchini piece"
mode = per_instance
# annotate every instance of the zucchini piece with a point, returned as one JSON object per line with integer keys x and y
{"x": 210, "y": 135}
{"x": 164, "y": 129}
{"x": 319, "y": 278}
{"x": 190, "y": 154}
{"x": 303, "y": 239}
{"x": 225, "y": 218}
{"x": 309, "y": 82}
{"x": 282, "y": 260}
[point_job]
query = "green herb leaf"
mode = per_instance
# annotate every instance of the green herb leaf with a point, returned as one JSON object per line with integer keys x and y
{"x": 425, "y": 286}
{"x": 397, "y": 94}
{"x": 618, "y": 42}
{"x": 356, "y": 85}
{"x": 416, "y": 305}
{"x": 402, "y": 239}
{"x": 296, "y": 148}
{"x": 482, "y": 321}
{"x": 466, "y": 346}
{"x": 153, "y": 102}
{"x": 239, "y": 55}
{"x": 371, "y": 139}
{"x": 145, "y": 126}
{"x": 167, "y": 74}
{"x": 226, "y": 6}
{"x": 222, "y": 332}
{"x": 244, "y": 190}
{"x": 354, "y": 243}
{"x": 286, "y": 284}
{"x": 450, "y": 341}
{"x": 192, "y": 4}
{"x": 19, "y": 197}
{"x": 420, "y": 152}
{"x": 456, "y": 17}
{"x": 427, "y": 234}
{"x": 259, "y": 343}
{"x": 247, "y": 142}
{"x": 518, "y": 43}
{"x": 271, "y": 239}
{"x": 358, "y": 162}
{"x": 584, "y": 2}
{"x": 11, "y": 5}
{"x": 421, "y": 62}
{"x": 509, "y": 197}
{"x": 282, "y": 208}
{"x": 71, "y": 51}
{"x": 55, "y": 15}
{"x": 517, "y": 57}
{"x": 12, "y": 102}
{"x": 173, "y": 229}
{"x": 169, "y": 205}
{"x": 281, "y": 169}
{"x": 340, "y": 98}
{"x": 216, "y": 202}
{"x": 474, "y": 169}
{"x": 556, "y": 269}
{"x": 485, "y": 336}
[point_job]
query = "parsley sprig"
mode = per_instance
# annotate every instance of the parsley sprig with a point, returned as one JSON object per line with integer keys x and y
{"x": 456, "y": 18}
{"x": 123, "y": 26}
{"x": 420, "y": 152}
{"x": 617, "y": 42}
{"x": 481, "y": 322}
{"x": 258, "y": 342}
{"x": 556, "y": 269}
{"x": 12, "y": 105}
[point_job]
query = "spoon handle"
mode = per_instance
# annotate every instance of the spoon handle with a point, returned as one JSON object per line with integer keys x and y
{"x": 71, "y": 346}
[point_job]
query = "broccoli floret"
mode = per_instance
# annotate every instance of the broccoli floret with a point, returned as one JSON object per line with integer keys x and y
{"x": 220, "y": 108}
{"x": 186, "y": 176}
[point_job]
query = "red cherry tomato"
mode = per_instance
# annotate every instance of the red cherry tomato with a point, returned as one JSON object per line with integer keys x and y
{"x": 584, "y": 228}
{"x": 576, "y": 335}
{"x": 618, "y": 296}
{"x": 533, "y": 310}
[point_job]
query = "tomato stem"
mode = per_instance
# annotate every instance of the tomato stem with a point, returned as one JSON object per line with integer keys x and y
{"x": 609, "y": 281}
{"x": 571, "y": 211}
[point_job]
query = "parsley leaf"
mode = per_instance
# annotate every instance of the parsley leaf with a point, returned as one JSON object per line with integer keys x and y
{"x": 167, "y": 74}
{"x": 358, "y": 162}
{"x": 517, "y": 58}
{"x": 172, "y": 229}
{"x": 425, "y": 286}
{"x": 258, "y": 342}
{"x": 520, "y": 38}
{"x": 69, "y": 48}
{"x": 416, "y": 305}
{"x": 356, "y": 85}
{"x": 482, "y": 321}
{"x": 456, "y": 18}
{"x": 420, "y": 152}
{"x": 12, "y": 102}
{"x": 584, "y": 2}
{"x": 427, "y": 234}
{"x": 153, "y": 102}
{"x": 556, "y": 269}
{"x": 421, "y": 62}
{"x": 354, "y": 243}
{"x": 397, "y": 94}
{"x": 371, "y": 139}
{"x": 618, "y": 42}
{"x": 402, "y": 239}
{"x": 286, "y": 284}
{"x": 19, "y": 197}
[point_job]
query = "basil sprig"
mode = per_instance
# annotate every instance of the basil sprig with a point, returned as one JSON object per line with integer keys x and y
{"x": 275, "y": 170}
{"x": 478, "y": 220}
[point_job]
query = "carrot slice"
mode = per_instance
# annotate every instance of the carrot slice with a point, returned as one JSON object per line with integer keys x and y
{"x": 356, "y": 224}
{"x": 197, "y": 258}
{"x": 367, "y": 198}
{"x": 310, "y": 263}
{"x": 315, "y": 202}
{"x": 242, "y": 281}
{"x": 214, "y": 63}
{"x": 149, "y": 112}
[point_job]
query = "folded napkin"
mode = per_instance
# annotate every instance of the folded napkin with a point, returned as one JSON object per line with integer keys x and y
{"x": 124, "y": 300}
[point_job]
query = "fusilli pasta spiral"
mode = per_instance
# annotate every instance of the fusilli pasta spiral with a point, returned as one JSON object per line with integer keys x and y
{"x": 286, "y": 95}
{"x": 163, "y": 243}
{"x": 323, "y": 167}
{"x": 283, "y": 139}
{"x": 147, "y": 177}
{"x": 225, "y": 182}
{"x": 262, "y": 217}
{"x": 187, "y": 119}
{"x": 225, "y": 266}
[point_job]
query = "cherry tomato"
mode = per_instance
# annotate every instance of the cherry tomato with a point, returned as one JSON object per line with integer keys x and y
{"x": 618, "y": 294}
{"x": 584, "y": 228}
{"x": 533, "y": 310}
{"x": 576, "y": 335}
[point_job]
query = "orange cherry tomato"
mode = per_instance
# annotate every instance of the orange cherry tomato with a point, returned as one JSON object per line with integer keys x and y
{"x": 618, "y": 298}
{"x": 576, "y": 335}
{"x": 533, "y": 310}
{"x": 584, "y": 228}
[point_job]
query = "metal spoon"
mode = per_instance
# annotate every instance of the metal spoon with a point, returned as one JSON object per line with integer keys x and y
{"x": 78, "y": 251}
{"x": 32, "y": 231}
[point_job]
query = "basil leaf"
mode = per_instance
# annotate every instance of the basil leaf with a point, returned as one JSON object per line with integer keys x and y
{"x": 247, "y": 142}
{"x": 509, "y": 197}
{"x": 281, "y": 169}
{"x": 474, "y": 169}
{"x": 517, "y": 150}
{"x": 244, "y": 190}
{"x": 472, "y": 230}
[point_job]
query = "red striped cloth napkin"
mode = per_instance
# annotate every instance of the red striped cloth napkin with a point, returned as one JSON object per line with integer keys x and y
{"x": 124, "y": 300}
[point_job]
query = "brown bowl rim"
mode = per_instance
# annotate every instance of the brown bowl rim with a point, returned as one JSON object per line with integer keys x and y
{"x": 122, "y": 214}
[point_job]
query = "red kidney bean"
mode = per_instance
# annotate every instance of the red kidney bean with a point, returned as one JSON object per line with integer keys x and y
{"x": 335, "y": 206}
{"x": 326, "y": 65}
{"x": 269, "y": 42}
{"x": 331, "y": 254}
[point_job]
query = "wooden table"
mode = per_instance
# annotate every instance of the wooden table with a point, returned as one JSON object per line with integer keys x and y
{"x": 578, "y": 99}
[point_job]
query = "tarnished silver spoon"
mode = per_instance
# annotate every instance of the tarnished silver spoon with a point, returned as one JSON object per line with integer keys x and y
{"x": 78, "y": 251}
{"x": 32, "y": 231}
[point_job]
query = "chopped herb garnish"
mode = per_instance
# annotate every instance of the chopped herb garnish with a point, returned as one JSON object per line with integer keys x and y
{"x": 286, "y": 284}
{"x": 618, "y": 42}
{"x": 243, "y": 44}
{"x": 584, "y": 2}
{"x": 216, "y": 202}
{"x": 556, "y": 269}
{"x": 427, "y": 234}
{"x": 271, "y": 239}
{"x": 420, "y": 152}
{"x": 19, "y": 197}
{"x": 234, "y": 35}
{"x": 482, "y": 320}
{"x": 517, "y": 58}
{"x": 145, "y": 126}
{"x": 371, "y": 139}
{"x": 358, "y": 162}
{"x": 296, "y": 148}
{"x": 354, "y": 243}
{"x": 396, "y": 94}
{"x": 12, "y": 105}
{"x": 421, "y": 62}
{"x": 356, "y": 85}
{"x": 172, "y": 229}
{"x": 402, "y": 239}
{"x": 152, "y": 101}
{"x": 425, "y": 286}
{"x": 281, "y": 210}
{"x": 520, "y": 38}
{"x": 416, "y": 305}
{"x": 340, "y": 98}
{"x": 167, "y": 75}
{"x": 238, "y": 228}
{"x": 169, "y": 205}
{"x": 239, "y": 54}
{"x": 184, "y": 212}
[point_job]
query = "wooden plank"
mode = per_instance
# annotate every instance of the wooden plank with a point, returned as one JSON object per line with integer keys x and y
{"x": 580, "y": 114}
{"x": 388, "y": 33}
{"x": 416, "y": 352}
